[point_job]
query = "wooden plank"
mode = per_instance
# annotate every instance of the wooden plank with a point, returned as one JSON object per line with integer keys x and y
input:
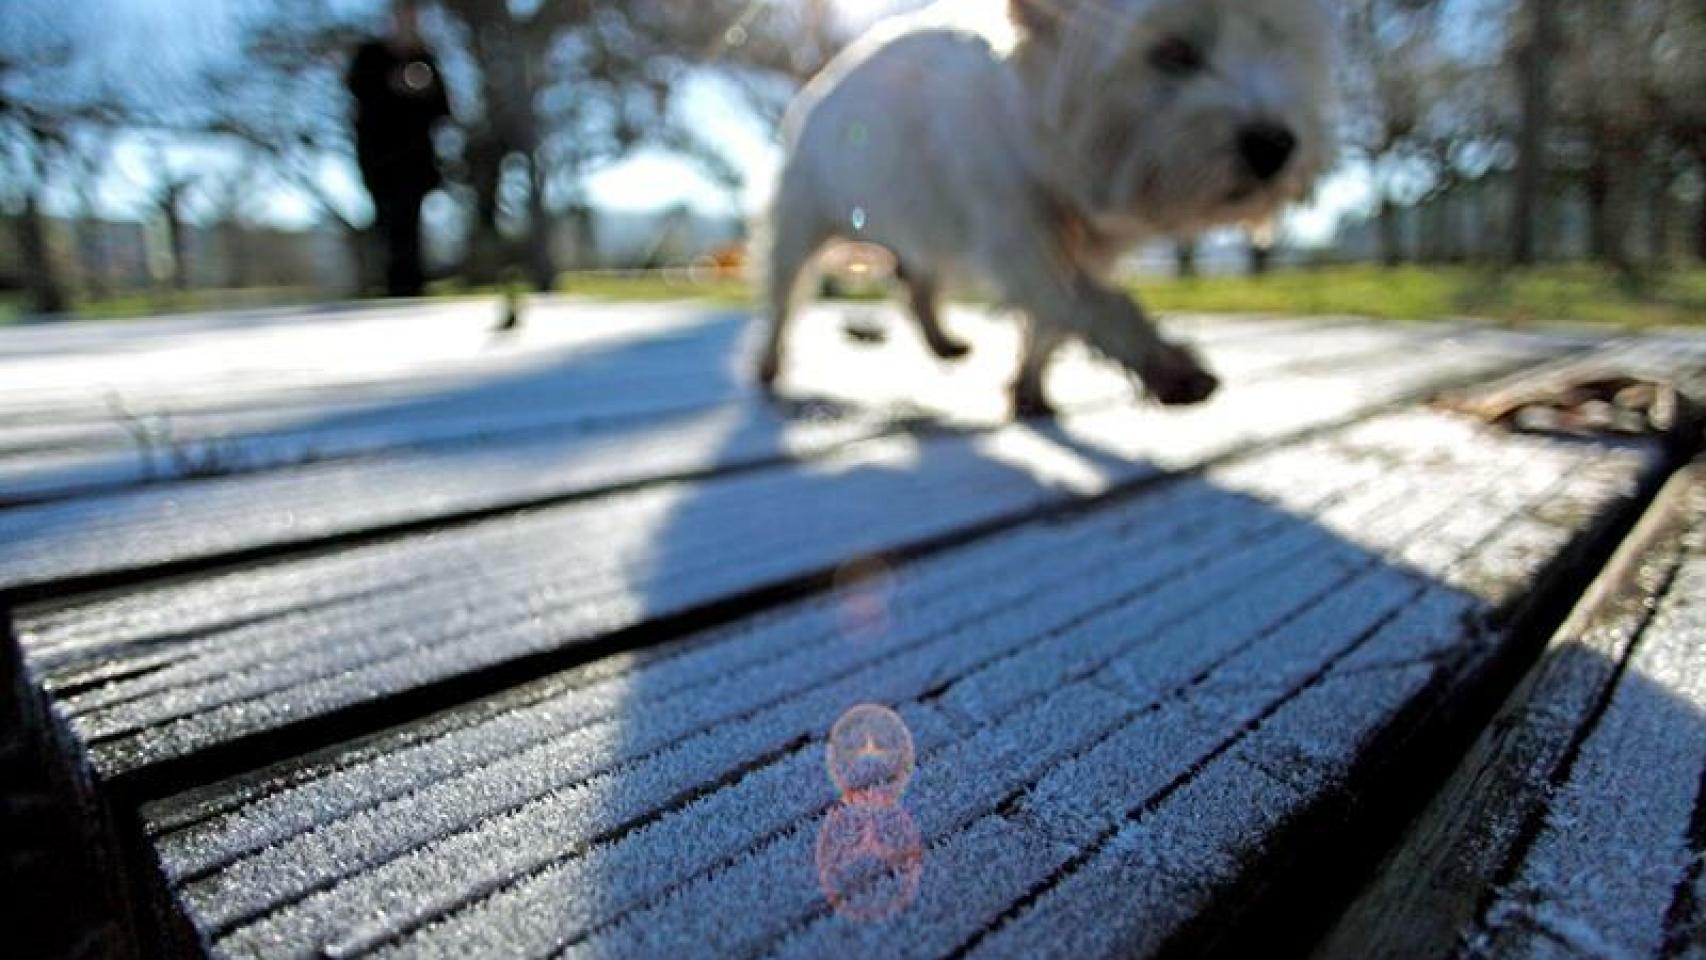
{"x": 670, "y": 366}
{"x": 1610, "y": 866}
{"x": 141, "y": 530}
{"x": 662, "y": 367}
{"x": 362, "y": 369}
{"x": 512, "y": 393}
{"x": 254, "y": 361}
{"x": 915, "y": 669}
{"x": 1176, "y": 852}
{"x": 1059, "y": 716}
{"x": 186, "y": 523}
{"x": 719, "y": 749}
{"x": 212, "y": 663}
{"x": 1572, "y": 827}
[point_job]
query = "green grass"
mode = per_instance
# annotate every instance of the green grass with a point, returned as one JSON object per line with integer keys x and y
{"x": 1549, "y": 295}
{"x": 164, "y": 302}
{"x": 1567, "y": 294}
{"x": 654, "y": 286}
{"x": 1561, "y": 294}
{"x": 617, "y": 288}
{"x": 668, "y": 286}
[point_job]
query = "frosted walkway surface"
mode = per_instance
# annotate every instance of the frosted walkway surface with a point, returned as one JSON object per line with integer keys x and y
{"x": 1576, "y": 826}
{"x": 362, "y": 633}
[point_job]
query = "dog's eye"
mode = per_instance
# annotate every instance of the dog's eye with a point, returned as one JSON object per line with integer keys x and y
{"x": 1177, "y": 57}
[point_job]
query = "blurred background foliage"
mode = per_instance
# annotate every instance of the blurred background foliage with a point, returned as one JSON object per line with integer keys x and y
{"x": 1530, "y": 160}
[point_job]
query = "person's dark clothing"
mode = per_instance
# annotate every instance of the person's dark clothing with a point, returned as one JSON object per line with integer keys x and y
{"x": 398, "y": 98}
{"x": 397, "y": 214}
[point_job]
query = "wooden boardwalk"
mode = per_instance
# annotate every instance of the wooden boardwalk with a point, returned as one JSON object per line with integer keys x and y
{"x": 363, "y": 632}
{"x": 1576, "y": 826}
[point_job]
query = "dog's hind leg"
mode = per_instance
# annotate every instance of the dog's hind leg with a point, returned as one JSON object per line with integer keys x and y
{"x": 1041, "y": 341}
{"x": 797, "y": 233}
{"x": 925, "y": 297}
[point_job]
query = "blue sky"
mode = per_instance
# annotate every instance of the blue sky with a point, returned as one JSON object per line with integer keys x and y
{"x": 173, "y": 38}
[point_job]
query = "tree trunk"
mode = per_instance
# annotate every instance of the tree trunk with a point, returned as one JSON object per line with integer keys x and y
{"x": 1185, "y": 258}
{"x": 363, "y": 264}
{"x": 1261, "y": 257}
{"x": 1700, "y": 231}
{"x": 1432, "y": 217}
{"x": 1391, "y": 239}
{"x": 583, "y": 223}
{"x": 484, "y": 156}
{"x": 1612, "y": 197}
{"x": 541, "y": 266}
{"x": 237, "y": 275}
{"x": 1536, "y": 117}
{"x": 1700, "y": 214}
{"x": 94, "y": 258}
{"x": 179, "y": 240}
{"x": 1658, "y": 213}
{"x": 47, "y": 295}
{"x": 494, "y": 49}
{"x": 1596, "y": 185}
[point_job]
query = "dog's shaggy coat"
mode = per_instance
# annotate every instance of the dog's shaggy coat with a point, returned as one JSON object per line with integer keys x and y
{"x": 1029, "y": 155}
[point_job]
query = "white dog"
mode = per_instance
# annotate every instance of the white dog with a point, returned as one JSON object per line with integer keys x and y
{"x": 1031, "y": 154}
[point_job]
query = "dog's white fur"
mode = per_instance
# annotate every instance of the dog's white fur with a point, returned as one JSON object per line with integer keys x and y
{"x": 1031, "y": 153}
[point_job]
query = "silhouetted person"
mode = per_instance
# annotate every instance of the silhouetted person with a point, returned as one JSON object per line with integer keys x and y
{"x": 399, "y": 98}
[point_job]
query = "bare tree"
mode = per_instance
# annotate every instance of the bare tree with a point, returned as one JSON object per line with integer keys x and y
{"x": 227, "y": 192}
{"x": 573, "y": 86}
{"x": 35, "y": 135}
{"x": 545, "y": 94}
{"x": 1609, "y": 106}
{"x": 1185, "y": 257}
{"x": 1259, "y": 245}
{"x": 1679, "y": 72}
{"x": 1393, "y": 56}
{"x": 168, "y": 195}
{"x": 284, "y": 104}
{"x": 40, "y": 125}
{"x": 87, "y": 157}
{"x": 1539, "y": 50}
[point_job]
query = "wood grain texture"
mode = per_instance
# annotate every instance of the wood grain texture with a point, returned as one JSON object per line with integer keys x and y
{"x": 1482, "y": 872}
{"x": 1266, "y": 622}
{"x": 566, "y": 688}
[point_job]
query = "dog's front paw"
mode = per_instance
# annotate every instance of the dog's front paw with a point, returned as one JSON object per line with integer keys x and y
{"x": 1177, "y": 378}
{"x": 1030, "y": 404}
{"x": 769, "y": 371}
{"x": 949, "y": 349}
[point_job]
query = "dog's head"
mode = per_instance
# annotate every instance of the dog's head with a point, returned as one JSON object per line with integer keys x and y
{"x": 1179, "y": 115}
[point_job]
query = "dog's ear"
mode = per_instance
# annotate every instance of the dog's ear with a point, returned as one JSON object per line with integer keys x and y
{"x": 1038, "y": 16}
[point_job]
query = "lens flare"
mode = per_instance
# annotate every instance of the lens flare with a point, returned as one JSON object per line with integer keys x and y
{"x": 858, "y": 262}
{"x": 864, "y": 590}
{"x": 869, "y": 861}
{"x": 870, "y": 756}
{"x": 417, "y": 77}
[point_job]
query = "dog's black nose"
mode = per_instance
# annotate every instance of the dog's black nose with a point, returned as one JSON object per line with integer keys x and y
{"x": 1266, "y": 148}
